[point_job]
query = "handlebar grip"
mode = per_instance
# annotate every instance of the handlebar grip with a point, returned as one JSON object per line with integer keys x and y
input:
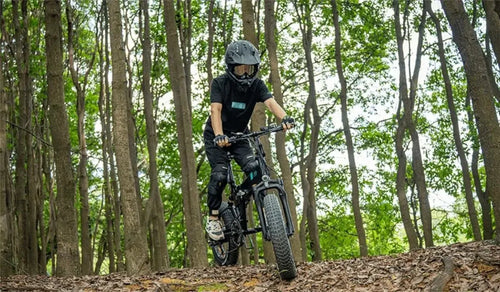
{"x": 264, "y": 130}
{"x": 272, "y": 128}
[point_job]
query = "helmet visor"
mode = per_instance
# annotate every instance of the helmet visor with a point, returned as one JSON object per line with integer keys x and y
{"x": 242, "y": 70}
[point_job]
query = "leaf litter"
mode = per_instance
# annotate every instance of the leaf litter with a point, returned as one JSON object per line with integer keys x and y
{"x": 473, "y": 266}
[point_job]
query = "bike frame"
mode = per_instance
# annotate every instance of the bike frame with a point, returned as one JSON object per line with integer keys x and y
{"x": 239, "y": 198}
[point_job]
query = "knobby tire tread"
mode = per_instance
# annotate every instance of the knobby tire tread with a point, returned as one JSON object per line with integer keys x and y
{"x": 279, "y": 238}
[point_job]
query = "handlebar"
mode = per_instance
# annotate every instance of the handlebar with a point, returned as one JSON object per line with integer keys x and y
{"x": 263, "y": 131}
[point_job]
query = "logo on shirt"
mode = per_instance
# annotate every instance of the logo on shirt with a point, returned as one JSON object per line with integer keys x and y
{"x": 238, "y": 105}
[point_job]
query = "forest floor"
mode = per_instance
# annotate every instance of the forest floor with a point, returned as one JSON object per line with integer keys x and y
{"x": 471, "y": 266}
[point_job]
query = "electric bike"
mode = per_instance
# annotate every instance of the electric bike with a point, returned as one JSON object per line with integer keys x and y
{"x": 272, "y": 209}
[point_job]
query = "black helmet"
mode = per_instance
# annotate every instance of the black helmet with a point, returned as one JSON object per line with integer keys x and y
{"x": 242, "y": 52}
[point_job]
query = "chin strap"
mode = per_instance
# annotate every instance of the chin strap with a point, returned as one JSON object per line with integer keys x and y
{"x": 242, "y": 84}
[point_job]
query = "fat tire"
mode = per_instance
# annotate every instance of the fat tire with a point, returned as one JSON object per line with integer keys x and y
{"x": 226, "y": 252}
{"x": 279, "y": 238}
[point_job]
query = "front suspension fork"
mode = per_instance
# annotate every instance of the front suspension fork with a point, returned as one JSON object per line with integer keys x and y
{"x": 260, "y": 191}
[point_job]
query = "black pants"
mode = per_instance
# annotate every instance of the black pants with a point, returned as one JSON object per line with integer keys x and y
{"x": 217, "y": 157}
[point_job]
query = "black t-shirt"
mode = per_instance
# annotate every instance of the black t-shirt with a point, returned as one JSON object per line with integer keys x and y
{"x": 237, "y": 106}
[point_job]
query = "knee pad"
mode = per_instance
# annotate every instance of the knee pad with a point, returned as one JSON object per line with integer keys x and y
{"x": 252, "y": 169}
{"x": 218, "y": 180}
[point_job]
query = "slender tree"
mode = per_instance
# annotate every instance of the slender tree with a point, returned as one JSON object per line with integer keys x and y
{"x": 196, "y": 247}
{"x": 417, "y": 161}
{"x": 136, "y": 253}
{"x": 312, "y": 119}
{"x": 111, "y": 248}
{"x": 481, "y": 94}
{"x": 159, "y": 254}
{"x": 399, "y": 139}
{"x": 68, "y": 261}
{"x": 358, "y": 219}
{"x": 83, "y": 180}
{"x": 466, "y": 177}
{"x": 21, "y": 49}
{"x": 259, "y": 114}
{"x": 210, "y": 41}
{"x": 6, "y": 254}
{"x": 484, "y": 200}
{"x": 492, "y": 9}
{"x": 117, "y": 207}
{"x": 275, "y": 80}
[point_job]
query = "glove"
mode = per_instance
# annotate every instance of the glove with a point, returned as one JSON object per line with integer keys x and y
{"x": 287, "y": 123}
{"x": 221, "y": 140}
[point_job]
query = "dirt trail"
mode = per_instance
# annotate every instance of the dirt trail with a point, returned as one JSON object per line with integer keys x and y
{"x": 459, "y": 267}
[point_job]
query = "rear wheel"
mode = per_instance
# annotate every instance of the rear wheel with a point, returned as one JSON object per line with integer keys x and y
{"x": 226, "y": 251}
{"x": 279, "y": 238}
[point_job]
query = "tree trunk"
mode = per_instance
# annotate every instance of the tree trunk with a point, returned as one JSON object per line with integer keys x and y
{"x": 30, "y": 188}
{"x": 482, "y": 98}
{"x": 466, "y": 177}
{"x": 117, "y": 208}
{"x": 21, "y": 213}
{"x": 417, "y": 163}
{"x": 68, "y": 261}
{"x": 6, "y": 235}
{"x": 275, "y": 80}
{"x": 210, "y": 48}
{"x": 305, "y": 203}
{"x": 83, "y": 180}
{"x": 136, "y": 252}
{"x": 401, "y": 184}
{"x": 363, "y": 248}
{"x": 185, "y": 42}
{"x": 259, "y": 114}
{"x": 313, "y": 119}
{"x": 484, "y": 201}
{"x": 48, "y": 242}
{"x": 108, "y": 207}
{"x": 492, "y": 9}
{"x": 105, "y": 138}
{"x": 196, "y": 247}
{"x": 159, "y": 254}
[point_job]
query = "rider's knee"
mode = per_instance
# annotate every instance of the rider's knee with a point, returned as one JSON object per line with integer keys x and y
{"x": 219, "y": 173}
{"x": 252, "y": 168}
{"x": 218, "y": 179}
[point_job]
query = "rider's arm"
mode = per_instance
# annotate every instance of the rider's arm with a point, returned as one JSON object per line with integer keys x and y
{"x": 280, "y": 113}
{"x": 275, "y": 108}
{"x": 215, "y": 112}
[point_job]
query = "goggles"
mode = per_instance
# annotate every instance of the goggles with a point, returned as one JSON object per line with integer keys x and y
{"x": 242, "y": 70}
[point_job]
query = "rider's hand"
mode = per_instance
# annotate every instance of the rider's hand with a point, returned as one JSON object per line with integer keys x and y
{"x": 221, "y": 141}
{"x": 287, "y": 123}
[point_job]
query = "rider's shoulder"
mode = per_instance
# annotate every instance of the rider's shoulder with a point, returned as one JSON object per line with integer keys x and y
{"x": 222, "y": 78}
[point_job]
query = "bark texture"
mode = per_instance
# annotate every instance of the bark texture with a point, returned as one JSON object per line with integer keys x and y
{"x": 68, "y": 259}
{"x": 360, "y": 229}
{"x": 196, "y": 244}
{"x": 481, "y": 93}
{"x": 136, "y": 253}
{"x": 281, "y": 153}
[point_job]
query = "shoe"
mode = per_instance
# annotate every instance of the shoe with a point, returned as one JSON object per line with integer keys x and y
{"x": 214, "y": 229}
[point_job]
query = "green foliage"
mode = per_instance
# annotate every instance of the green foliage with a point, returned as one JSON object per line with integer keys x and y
{"x": 368, "y": 53}
{"x": 339, "y": 235}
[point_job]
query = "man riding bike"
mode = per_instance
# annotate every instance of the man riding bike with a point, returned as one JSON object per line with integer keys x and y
{"x": 233, "y": 96}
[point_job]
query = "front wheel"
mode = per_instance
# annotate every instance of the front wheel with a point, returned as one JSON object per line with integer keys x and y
{"x": 226, "y": 251}
{"x": 279, "y": 238}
